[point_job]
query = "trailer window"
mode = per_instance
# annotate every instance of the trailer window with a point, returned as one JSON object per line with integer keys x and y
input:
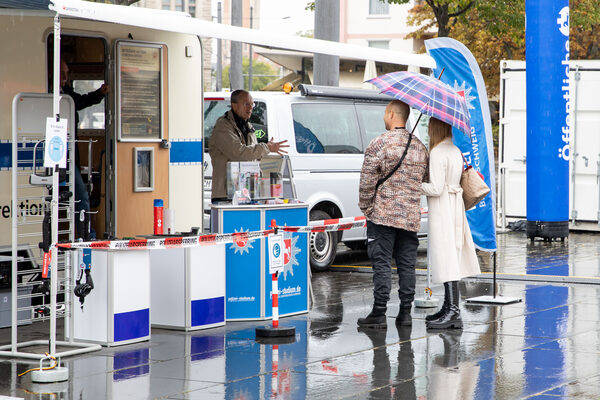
{"x": 140, "y": 92}
{"x": 216, "y": 108}
{"x": 326, "y": 128}
{"x": 86, "y": 72}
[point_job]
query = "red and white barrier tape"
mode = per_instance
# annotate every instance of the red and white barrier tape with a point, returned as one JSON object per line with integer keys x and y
{"x": 171, "y": 242}
{"x": 337, "y": 221}
{"x": 343, "y": 226}
{"x": 328, "y": 225}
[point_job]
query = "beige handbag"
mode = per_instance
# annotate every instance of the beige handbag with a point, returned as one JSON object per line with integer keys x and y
{"x": 473, "y": 185}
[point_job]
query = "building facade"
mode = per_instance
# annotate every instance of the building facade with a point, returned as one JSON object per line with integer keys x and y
{"x": 198, "y": 9}
{"x": 378, "y": 24}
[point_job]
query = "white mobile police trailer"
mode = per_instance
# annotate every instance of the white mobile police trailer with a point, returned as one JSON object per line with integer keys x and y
{"x": 143, "y": 142}
{"x": 147, "y": 133}
{"x": 582, "y": 146}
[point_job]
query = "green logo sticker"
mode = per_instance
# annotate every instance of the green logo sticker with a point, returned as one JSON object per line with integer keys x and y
{"x": 259, "y": 133}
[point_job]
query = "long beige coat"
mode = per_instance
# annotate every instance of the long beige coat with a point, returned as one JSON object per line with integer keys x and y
{"x": 451, "y": 249}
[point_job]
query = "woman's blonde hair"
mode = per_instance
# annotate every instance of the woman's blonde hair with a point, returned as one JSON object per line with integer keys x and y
{"x": 438, "y": 131}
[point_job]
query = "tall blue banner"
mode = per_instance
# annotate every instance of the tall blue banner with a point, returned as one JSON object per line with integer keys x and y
{"x": 548, "y": 109}
{"x": 462, "y": 72}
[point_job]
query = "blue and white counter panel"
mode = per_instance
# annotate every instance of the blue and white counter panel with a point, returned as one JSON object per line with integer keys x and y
{"x": 248, "y": 282}
{"x": 188, "y": 287}
{"x": 117, "y": 310}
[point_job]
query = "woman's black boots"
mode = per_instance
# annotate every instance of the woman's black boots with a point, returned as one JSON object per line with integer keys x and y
{"x": 442, "y": 310}
{"x": 451, "y": 318}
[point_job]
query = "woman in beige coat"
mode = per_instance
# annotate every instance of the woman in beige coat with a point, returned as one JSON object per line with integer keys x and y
{"x": 451, "y": 249}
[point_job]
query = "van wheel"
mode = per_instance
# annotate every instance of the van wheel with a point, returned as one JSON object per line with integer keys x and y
{"x": 323, "y": 245}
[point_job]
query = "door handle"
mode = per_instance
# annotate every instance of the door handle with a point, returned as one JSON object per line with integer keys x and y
{"x": 585, "y": 160}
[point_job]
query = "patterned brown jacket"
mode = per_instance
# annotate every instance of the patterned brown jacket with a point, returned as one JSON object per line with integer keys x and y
{"x": 397, "y": 202}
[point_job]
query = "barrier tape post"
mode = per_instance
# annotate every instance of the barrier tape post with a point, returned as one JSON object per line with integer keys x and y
{"x": 275, "y": 254}
{"x": 275, "y": 300}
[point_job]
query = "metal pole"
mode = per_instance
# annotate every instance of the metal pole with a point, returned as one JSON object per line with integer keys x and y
{"x": 236, "y": 80}
{"x": 326, "y": 68}
{"x": 250, "y": 54}
{"x": 219, "y": 77}
{"x": 15, "y": 237}
{"x": 55, "y": 188}
{"x": 573, "y": 146}
{"x": 494, "y": 276}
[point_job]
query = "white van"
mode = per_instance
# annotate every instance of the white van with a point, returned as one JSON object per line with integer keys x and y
{"x": 328, "y": 129}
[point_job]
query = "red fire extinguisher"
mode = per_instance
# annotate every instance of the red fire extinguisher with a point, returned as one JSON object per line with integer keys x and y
{"x": 158, "y": 216}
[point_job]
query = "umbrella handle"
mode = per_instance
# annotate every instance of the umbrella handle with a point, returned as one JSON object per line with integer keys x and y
{"x": 421, "y": 114}
{"x": 416, "y": 123}
{"x": 443, "y": 69}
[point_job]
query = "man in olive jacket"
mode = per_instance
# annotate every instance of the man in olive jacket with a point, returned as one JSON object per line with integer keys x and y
{"x": 233, "y": 139}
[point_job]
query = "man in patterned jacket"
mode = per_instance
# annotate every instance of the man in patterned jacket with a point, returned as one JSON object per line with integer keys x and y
{"x": 393, "y": 212}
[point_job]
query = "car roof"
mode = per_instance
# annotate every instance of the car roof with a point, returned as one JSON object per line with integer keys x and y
{"x": 254, "y": 94}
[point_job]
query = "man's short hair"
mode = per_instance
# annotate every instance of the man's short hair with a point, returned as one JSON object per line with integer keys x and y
{"x": 400, "y": 108}
{"x": 237, "y": 94}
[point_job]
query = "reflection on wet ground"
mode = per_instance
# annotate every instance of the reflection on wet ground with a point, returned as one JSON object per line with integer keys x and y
{"x": 577, "y": 258}
{"x": 545, "y": 347}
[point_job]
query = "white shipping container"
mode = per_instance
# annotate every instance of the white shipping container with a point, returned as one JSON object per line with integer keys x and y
{"x": 583, "y": 152}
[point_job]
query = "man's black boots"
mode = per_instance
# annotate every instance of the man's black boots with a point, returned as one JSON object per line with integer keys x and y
{"x": 451, "y": 318}
{"x": 404, "y": 318}
{"x": 376, "y": 319}
{"x": 442, "y": 310}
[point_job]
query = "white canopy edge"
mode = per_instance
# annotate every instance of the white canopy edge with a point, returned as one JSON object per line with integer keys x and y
{"x": 182, "y": 23}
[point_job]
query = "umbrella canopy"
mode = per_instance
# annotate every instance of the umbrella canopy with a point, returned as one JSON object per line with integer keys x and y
{"x": 428, "y": 95}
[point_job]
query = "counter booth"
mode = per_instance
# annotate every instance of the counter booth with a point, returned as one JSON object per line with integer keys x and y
{"x": 177, "y": 288}
{"x": 261, "y": 192}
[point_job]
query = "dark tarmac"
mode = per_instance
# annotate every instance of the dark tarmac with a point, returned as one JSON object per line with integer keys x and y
{"x": 545, "y": 347}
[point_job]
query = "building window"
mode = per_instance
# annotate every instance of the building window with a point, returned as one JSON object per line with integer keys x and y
{"x": 379, "y": 44}
{"x": 378, "y": 7}
{"x": 179, "y": 5}
{"x": 166, "y": 4}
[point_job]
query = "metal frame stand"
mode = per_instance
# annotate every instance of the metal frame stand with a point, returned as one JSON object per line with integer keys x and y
{"x": 494, "y": 299}
{"x": 11, "y": 350}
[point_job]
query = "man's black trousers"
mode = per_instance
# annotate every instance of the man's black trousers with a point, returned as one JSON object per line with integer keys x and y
{"x": 383, "y": 243}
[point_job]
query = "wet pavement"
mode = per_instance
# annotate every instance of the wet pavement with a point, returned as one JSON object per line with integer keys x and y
{"x": 545, "y": 347}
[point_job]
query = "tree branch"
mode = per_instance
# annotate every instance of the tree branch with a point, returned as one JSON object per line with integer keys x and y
{"x": 431, "y": 4}
{"x": 467, "y": 7}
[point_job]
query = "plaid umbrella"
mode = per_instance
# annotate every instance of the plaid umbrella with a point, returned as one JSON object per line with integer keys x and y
{"x": 428, "y": 95}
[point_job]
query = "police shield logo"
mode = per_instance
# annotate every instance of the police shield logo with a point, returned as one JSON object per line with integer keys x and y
{"x": 287, "y": 256}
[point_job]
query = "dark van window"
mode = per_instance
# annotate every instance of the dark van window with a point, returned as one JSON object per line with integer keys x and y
{"x": 326, "y": 128}
{"x": 215, "y": 108}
